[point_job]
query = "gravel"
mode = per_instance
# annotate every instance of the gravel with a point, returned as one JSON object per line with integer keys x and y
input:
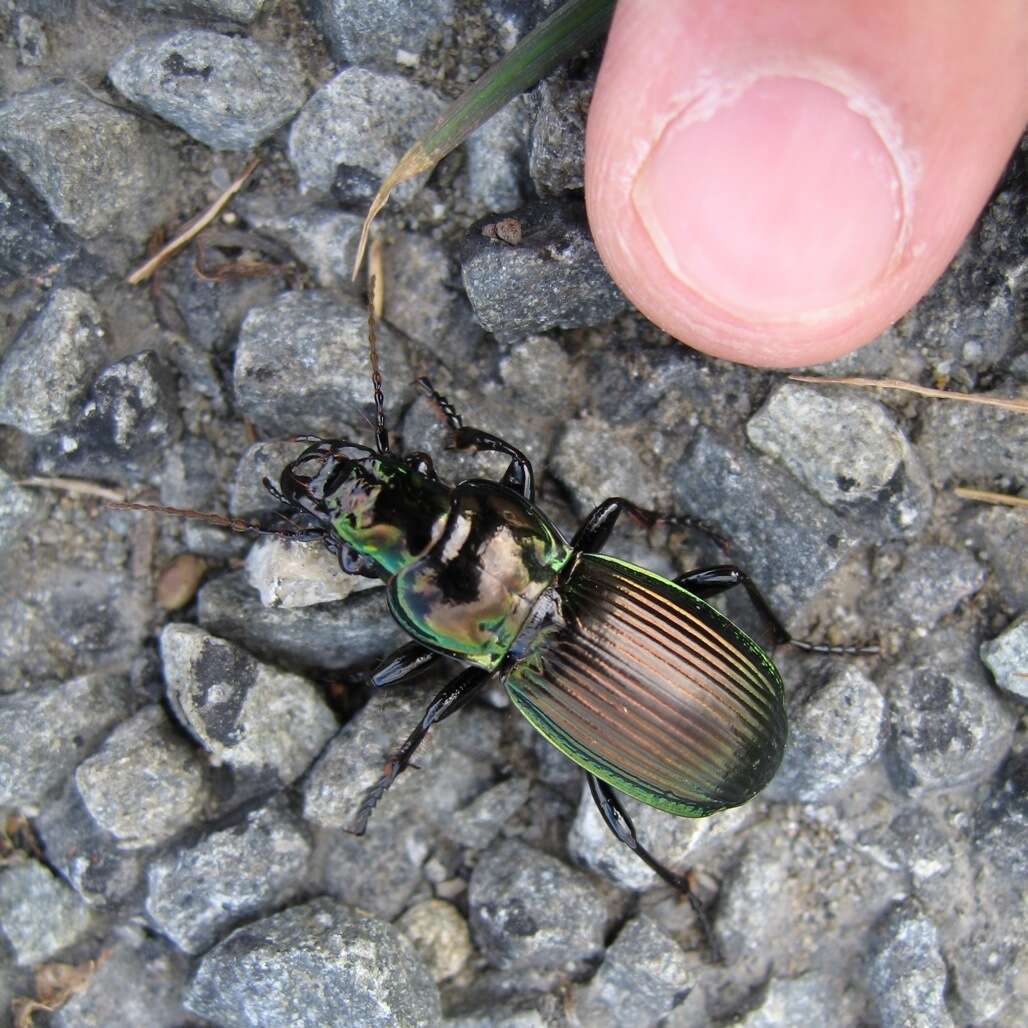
{"x": 175, "y": 789}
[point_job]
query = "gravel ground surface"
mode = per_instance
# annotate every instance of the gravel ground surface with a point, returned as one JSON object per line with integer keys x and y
{"x": 184, "y": 729}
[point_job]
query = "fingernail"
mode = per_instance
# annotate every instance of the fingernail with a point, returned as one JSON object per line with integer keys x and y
{"x": 784, "y": 202}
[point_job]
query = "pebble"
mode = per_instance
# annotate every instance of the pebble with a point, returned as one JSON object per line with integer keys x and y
{"x": 552, "y": 277}
{"x": 643, "y": 975}
{"x": 848, "y": 450}
{"x": 332, "y": 636}
{"x": 196, "y": 892}
{"x": 949, "y": 727}
{"x": 908, "y": 974}
{"x": 364, "y": 119}
{"x": 51, "y": 363}
{"x": 145, "y": 783}
{"x": 381, "y": 32}
{"x": 39, "y": 914}
{"x": 228, "y": 92}
{"x": 302, "y": 366}
{"x": 264, "y": 724}
{"x": 290, "y": 573}
{"x": 836, "y": 732}
{"x": 440, "y": 935}
{"x": 528, "y": 910}
{"x": 49, "y": 729}
{"x": 322, "y": 964}
{"x": 123, "y": 428}
{"x": 1006, "y": 657}
{"x": 93, "y": 165}
{"x": 931, "y": 583}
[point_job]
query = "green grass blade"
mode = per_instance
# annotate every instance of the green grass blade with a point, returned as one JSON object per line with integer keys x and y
{"x": 569, "y": 29}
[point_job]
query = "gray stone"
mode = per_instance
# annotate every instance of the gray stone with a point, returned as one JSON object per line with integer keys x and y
{"x": 226, "y": 91}
{"x": 45, "y": 732}
{"x": 809, "y": 999}
{"x": 139, "y": 982}
{"x": 833, "y": 734}
{"x": 89, "y": 858}
{"x": 243, "y": 11}
{"x": 320, "y": 965}
{"x": 539, "y": 373}
{"x": 448, "y": 774}
{"x": 264, "y": 724}
{"x": 1006, "y": 657}
{"x": 556, "y": 157}
{"x": 483, "y": 819}
{"x": 440, "y": 935}
{"x": 677, "y": 842}
{"x": 323, "y": 238}
{"x": 514, "y": 19}
{"x": 361, "y": 119}
{"x": 145, "y": 783}
{"x": 196, "y": 892}
{"x": 1001, "y": 822}
{"x": 381, "y": 32}
{"x": 551, "y": 276}
{"x": 788, "y": 542}
{"x": 302, "y": 366}
{"x": 530, "y": 911}
{"x": 643, "y": 974}
{"x": 66, "y": 620}
{"x": 33, "y": 46}
{"x": 931, "y": 583}
{"x": 51, "y": 362}
{"x": 496, "y": 155}
{"x": 347, "y": 633}
{"x": 91, "y": 163}
{"x": 998, "y": 533}
{"x": 247, "y": 495}
{"x": 949, "y": 727}
{"x": 907, "y": 974}
{"x": 295, "y": 573}
{"x": 991, "y": 453}
{"x": 124, "y": 427}
{"x": 39, "y": 914}
{"x": 19, "y": 509}
{"x": 423, "y": 300}
{"x": 847, "y": 449}
{"x": 32, "y": 242}
{"x": 595, "y": 461}
{"x": 915, "y": 840}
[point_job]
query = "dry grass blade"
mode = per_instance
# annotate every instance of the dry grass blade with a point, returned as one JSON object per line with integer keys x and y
{"x": 76, "y": 486}
{"x": 194, "y": 227}
{"x": 571, "y": 27}
{"x": 1021, "y": 406}
{"x": 984, "y": 496}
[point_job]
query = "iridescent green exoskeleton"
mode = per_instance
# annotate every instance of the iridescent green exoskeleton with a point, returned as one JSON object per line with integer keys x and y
{"x": 634, "y": 676}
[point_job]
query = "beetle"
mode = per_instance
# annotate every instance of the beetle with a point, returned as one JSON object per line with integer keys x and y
{"x": 635, "y": 677}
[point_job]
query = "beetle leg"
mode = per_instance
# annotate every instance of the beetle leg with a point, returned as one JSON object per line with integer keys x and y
{"x": 518, "y": 476}
{"x": 709, "y": 582}
{"x": 406, "y": 662}
{"x": 596, "y": 528}
{"x": 453, "y": 419}
{"x": 618, "y": 821}
{"x": 465, "y": 686}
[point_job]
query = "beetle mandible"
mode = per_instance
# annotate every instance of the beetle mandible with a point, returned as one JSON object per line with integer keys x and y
{"x": 635, "y": 677}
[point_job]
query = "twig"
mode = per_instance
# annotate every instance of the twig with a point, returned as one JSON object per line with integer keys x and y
{"x": 194, "y": 227}
{"x": 909, "y": 387}
{"x": 74, "y": 485}
{"x": 985, "y": 496}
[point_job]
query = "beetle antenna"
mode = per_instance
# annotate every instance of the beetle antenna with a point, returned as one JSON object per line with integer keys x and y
{"x": 221, "y": 520}
{"x": 381, "y": 435}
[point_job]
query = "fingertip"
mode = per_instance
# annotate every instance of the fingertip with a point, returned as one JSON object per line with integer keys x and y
{"x": 780, "y": 199}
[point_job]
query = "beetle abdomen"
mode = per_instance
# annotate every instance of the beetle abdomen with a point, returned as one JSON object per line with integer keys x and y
{"x": 653, "y": 690}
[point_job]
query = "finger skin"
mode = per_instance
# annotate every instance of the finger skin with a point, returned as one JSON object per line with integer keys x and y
{"x": 940, "y": 89}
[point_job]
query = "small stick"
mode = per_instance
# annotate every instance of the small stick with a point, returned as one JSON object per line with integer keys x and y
{"x": 909, "y": 387}
{"x": 194, "y": 227}
{"x": 74, "y": 485}
{"x": 985, "y": 496}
